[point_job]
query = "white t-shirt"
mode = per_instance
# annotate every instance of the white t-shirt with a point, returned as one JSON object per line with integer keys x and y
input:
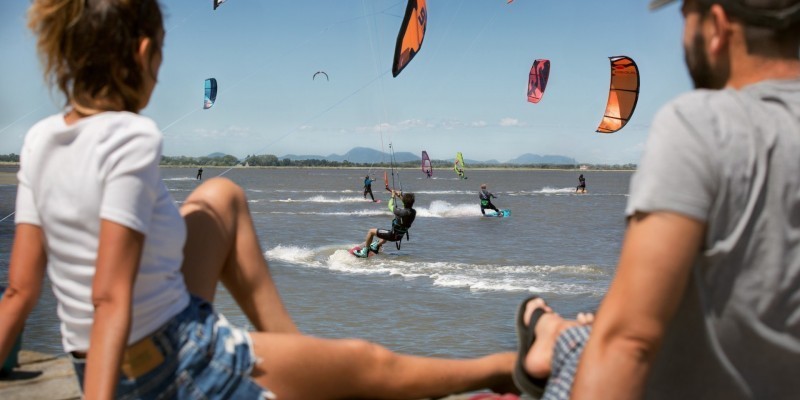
{"x": 102, "y": 167}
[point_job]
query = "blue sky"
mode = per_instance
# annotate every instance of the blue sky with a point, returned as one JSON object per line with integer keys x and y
{"x": 465, "y": 90}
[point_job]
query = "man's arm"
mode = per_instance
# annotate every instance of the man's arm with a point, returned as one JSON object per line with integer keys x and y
{"x": 654, "y": 267}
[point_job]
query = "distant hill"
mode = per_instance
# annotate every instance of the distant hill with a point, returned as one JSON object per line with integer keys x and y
{"x": 361, "y": 155}
{"x": 216, "y": 155}
{"x": 364, "y": 155}
{"x": 529, "y": 158}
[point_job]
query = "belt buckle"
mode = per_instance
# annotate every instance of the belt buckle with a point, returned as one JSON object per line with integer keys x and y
{"x": 141, "y": 358}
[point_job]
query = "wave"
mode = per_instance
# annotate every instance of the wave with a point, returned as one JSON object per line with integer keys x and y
{"x": 324, "y": 199}
{"x": 181, "y": 178}
{"x": 437, "y": 209}
{"x": 559, "y": 279}
{"x": 316, "y": 191}
{"x": 443, "y": 209}
{"x": 363, "y": 213}
{"x": 568, "y": 191}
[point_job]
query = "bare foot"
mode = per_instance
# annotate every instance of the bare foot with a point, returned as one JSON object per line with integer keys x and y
{"x": 548, "y": 327}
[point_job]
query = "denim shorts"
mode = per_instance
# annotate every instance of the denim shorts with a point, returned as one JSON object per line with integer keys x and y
{"x": 205, "y": 357}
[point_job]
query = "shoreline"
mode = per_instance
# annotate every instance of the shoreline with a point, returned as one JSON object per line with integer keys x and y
{"x": 8, "y": 178}
{"x": 5, "y": 166}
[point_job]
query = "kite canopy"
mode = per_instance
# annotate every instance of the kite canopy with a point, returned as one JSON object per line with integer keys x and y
{"x": 211, "y": 93}
{"x": 412, "y": 31}
{"x": 218, "y": 2}
{"x": 320, "y": 72}
{"x": 537, "y": 80}
{"x": 622, "y": 95}
{"x": 427, "y": 168}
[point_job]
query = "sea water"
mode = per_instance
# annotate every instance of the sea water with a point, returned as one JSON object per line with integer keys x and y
{"x": 451, "y": 290}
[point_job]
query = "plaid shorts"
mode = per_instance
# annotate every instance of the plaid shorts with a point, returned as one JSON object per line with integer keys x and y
{"x": 204, "y": 356}
{"x": 564, "y": 365}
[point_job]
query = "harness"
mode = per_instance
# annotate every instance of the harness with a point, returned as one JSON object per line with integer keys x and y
{"x": 484, "y": 202}
{"x": 399, "y": 230}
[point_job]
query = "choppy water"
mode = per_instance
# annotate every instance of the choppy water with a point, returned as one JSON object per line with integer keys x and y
{"x": 451, "y": 290}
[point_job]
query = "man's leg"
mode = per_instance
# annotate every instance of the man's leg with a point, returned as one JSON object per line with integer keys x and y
{"x": 370, "y": 234}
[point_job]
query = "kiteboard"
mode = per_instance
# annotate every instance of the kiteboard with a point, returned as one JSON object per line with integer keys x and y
{"x": 358, "y": 248}
{"x": 375, "y": 201}
{"x": 501, "y": 214}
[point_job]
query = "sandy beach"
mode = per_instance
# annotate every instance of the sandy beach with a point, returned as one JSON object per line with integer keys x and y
{"x": 8, "y": 178}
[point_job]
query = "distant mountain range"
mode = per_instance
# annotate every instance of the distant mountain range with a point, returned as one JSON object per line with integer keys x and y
{"x": 365, "y": 155}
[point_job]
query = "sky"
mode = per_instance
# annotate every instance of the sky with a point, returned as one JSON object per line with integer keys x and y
{"x": 464, "y": 91}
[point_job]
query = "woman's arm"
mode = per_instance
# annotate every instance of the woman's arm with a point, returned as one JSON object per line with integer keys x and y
{"x": 118, "y": 256}
{"x": 25, "y": 275}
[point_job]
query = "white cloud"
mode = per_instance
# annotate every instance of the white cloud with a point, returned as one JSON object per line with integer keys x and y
{"x": 478, "y": 124}
{"x": 506, "y": 122}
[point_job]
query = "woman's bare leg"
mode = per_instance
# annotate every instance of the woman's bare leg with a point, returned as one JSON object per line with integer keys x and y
{"x": 303, "y": 367}
{"x": 222, "y": 245}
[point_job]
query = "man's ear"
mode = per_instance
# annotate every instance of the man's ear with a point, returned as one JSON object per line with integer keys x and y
{"x": 720, "y": 30}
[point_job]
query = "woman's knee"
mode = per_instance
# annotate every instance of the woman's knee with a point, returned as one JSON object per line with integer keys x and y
{"x": 218, "y": 192}
{"x": 372, "y": 357}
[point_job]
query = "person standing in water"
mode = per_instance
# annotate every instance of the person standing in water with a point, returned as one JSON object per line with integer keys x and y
{"x": 200, "y": 173}
{"x": 486, "y": 200}
{"x": 581, "y": 185}
{"x": 368, "y": 187}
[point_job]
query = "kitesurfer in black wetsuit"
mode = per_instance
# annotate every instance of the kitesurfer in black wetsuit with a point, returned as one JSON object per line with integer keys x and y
{"x": 486, "y": 200}
{"x": 368, "y": 187}
{"x": 581, "y": 185}
{"x": 403, "y": 218}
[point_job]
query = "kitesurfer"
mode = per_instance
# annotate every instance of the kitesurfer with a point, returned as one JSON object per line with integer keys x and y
{"x": 403, "y": 218}
{"x": 486, "y": 200}
{"x": 368, "y": 187}
{"x": 200, "y": 173}
{"x": 581, "y": 185}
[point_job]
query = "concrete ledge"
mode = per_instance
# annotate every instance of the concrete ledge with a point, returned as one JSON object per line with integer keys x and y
{"x": 46, "y": 377}
{"x": 40, "y": 376}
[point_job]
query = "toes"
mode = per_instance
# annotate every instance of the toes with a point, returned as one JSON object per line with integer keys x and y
{"x": 585, "y": 318}
{"x": 532, "y": 305}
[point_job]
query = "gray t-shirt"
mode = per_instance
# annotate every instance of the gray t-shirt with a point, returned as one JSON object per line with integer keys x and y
{"x": 731, "y": 158}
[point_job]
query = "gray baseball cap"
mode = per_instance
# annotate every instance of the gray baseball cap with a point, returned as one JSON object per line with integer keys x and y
{"x": 776, "y": 14}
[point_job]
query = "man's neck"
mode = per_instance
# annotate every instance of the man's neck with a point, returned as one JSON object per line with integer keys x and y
{"x": 750, "y": 69}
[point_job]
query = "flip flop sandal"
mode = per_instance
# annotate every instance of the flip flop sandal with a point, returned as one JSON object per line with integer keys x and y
{"x": 526, "y": 335}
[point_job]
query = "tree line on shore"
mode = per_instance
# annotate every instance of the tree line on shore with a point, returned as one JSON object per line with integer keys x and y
{"x": 269, "y": 160}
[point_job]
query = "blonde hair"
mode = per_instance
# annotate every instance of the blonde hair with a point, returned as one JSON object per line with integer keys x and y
{"x": 483, "y": 186}
{"x": 88, "y": 48}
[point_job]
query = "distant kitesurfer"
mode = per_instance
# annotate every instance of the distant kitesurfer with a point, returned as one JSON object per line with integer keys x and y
{"x": 486, "y": 200}
{"x": 403, "y": 218}
{"x": 581, "y": 185}
{"x": 368, "y": 187}
{"x": 200, "y": 173}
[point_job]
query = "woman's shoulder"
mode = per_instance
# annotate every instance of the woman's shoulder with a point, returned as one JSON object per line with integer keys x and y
{"x": 129, "y": 121}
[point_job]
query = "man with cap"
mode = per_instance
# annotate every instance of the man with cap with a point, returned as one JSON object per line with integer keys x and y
{"x": 706, "y": 298}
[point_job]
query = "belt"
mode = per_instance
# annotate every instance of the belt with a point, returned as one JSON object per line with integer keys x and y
{"x": 138, "y": 358}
